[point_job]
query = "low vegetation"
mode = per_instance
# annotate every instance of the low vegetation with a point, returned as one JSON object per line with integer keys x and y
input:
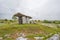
{"x": 52, "y": 21}
{"x": 12, "y": 30}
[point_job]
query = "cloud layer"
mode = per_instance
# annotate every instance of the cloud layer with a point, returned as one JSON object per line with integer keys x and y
{"x": 38, "y": 9}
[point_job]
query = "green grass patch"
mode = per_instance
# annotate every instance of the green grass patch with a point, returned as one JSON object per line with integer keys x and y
{"x": 35, "y": 30}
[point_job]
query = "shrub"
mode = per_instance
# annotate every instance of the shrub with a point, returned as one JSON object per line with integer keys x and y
{"x": 46, "y": 21}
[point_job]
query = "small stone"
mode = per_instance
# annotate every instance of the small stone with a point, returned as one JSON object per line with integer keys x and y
{"x": 7, "y": 35}
{"x": 1, "y": 38}
{"x": 54, "y": 37}
{"x": 21, "y": 38}
{"x": 38, "y": 38}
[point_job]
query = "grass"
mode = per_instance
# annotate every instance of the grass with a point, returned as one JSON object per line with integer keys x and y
{"x": 31, "y": 30}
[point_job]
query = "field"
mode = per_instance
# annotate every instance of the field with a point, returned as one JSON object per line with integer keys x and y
{"x": 10, "y": 31}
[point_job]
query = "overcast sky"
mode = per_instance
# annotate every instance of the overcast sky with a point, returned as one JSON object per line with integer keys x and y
{"x": 38, "y": 9}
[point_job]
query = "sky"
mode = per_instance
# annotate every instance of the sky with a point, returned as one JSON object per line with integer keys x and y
{"x": 37, "y": 9}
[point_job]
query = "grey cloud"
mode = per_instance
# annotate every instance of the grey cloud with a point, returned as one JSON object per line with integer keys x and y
{"x": 38, "y": 9}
